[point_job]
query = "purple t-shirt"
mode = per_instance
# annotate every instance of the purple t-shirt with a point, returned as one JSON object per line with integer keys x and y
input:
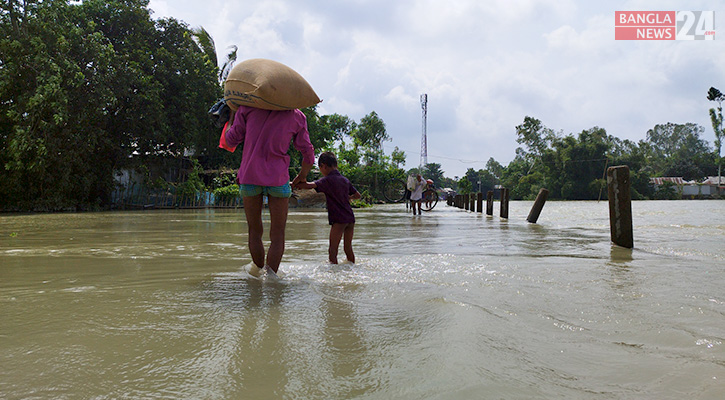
{"x": 267, "y": 135}
{"x": 337, "y": 190}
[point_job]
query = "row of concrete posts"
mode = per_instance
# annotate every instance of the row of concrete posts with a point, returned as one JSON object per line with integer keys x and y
{"x": 620, "y": 205}
{"x": 474, "y": 202}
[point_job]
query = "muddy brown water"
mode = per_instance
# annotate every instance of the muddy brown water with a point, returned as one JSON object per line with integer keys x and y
{"x": 450, "y": 305}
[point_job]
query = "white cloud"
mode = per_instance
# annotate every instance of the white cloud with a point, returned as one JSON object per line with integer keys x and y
{"x": 484, "y": 65}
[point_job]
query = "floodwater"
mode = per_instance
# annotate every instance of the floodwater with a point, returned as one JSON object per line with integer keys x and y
{"x": 450, "y": 305}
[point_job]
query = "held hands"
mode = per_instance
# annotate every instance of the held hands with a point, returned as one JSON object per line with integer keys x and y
{"x": 303, "y": 185}
{"x": 295, "y": 183}
{"x": 300, "y": 181}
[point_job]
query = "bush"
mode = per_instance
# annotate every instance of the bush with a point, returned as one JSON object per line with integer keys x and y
{"x": 193, "y": 184}
{"x": 226, "y": 193}
{"x": 359, "y": 203}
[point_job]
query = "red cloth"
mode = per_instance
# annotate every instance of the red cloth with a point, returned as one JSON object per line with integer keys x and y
{"x": 223, "y": 139}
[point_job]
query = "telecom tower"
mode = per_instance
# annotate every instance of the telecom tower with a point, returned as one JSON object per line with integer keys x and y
{"x": 424, "y": 138}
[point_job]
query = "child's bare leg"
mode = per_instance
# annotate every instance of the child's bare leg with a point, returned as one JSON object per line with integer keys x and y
{"x": 278, "y": 207}
{"x": 347, "y": 242}
{"x": 336, "y": 231}
{"x": 253, "y": 211}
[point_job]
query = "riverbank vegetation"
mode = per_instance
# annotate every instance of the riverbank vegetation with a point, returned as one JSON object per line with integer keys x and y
{"x": 97, "y": 95}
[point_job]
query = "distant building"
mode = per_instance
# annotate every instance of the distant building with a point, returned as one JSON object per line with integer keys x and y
{"x": 716, "y": 184}
{"x": 447, "y": 192}
{"x": 691, "y": 189}
{"x": 678, "y": 181}
{"x": 713, "y": 180}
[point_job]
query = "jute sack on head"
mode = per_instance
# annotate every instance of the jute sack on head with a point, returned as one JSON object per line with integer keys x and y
{"x": 267, "y": 84}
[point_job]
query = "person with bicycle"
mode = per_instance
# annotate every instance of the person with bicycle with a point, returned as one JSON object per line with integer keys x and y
{"x": 409, "y": 186}
{"x": 428, "y": 200}
{"x": 416, "y": 195}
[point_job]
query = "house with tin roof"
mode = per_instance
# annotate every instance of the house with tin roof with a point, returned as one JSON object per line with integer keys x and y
{"x": 691, "y": 189}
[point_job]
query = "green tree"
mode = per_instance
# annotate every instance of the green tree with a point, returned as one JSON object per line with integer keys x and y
{"x": 206, "y": 43}
{"x": 90, "y": 87}
{"x": 488, "y": 180}
{"x": 322, "y": 136}
{"x": 370, "y": 133}
{"x": 464, "y": 185}
{"x": 494, "y": 168}
{"x": 634, "y": 155}
{"x": 368, "y": 137}
{"x": 513, "y": 177}
{"x": 398, "y": 157}
{"x": 716, "y": 119}
{"x": 473, "y": 177}
{"x": 433, "y": 171}
{"x": 481, "y": 180}
{"x": 54, "y": 152}
{"x": 341, "y": 124}
{"x": 673, "y": 144}
{"x": 582, "y": 164}
{"x": 204, "y": 40}
{"x": 228, "y": 63}
{"x": 535, "y": 137}
{"x": 667, "y": 191}
{"x": 322, "y": 133}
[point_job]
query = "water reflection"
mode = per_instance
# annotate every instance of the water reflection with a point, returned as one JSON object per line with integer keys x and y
{"x": 246, "y": 335}
{"x": 620, "y": 255}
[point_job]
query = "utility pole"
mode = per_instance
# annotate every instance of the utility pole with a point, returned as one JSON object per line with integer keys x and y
{"x": 424, "y": 138}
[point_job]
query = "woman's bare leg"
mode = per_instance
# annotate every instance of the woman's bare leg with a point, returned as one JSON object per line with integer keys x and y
{"x": 253, "y": 211}
{"x": 278, "y": 207}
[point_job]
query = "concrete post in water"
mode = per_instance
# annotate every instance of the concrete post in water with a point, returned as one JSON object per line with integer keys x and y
{"x": 489, "y": 203}
{"x": 620, "y": 206}
{"x": 466, "y": 201}
{"x": 504, "y": 203}
{"x": 479, "y": 202}
{"x": 538, "y": 205}
{"x": 472, "y": 206}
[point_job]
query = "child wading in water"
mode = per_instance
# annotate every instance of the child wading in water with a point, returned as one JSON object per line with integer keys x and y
{"x": 338, "y": 192}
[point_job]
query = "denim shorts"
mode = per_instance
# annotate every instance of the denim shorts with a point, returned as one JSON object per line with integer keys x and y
{"x": 284, "y": 191}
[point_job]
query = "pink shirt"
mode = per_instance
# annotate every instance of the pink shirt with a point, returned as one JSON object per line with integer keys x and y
{"x": 266, "y": 136}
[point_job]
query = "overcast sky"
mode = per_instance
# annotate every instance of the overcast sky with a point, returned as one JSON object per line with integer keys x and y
{"x": 485, "y": 65}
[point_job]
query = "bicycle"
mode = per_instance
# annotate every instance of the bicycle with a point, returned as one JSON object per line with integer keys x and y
{"x": 394, "y": 190}
{"x": 430, "y": 198}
